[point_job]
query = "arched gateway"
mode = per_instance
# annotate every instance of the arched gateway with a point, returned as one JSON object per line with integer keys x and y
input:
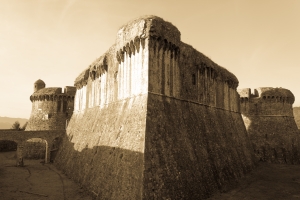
{"x": 20, "y": 137}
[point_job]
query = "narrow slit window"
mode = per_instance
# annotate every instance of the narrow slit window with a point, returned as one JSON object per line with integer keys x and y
{"x": 194, "y": 79}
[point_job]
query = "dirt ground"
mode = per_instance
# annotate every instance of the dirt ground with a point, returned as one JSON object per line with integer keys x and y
{"x": 38, "y": 181}
{"x": 35, "y": 181}
{"x": 267, "y": 181}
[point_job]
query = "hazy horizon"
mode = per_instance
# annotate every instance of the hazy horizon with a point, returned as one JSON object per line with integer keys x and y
{"x": 55, "y": 40}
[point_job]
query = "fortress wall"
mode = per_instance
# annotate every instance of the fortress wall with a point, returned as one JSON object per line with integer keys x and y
{"x": 275, "y": 139}
{"x": 195, "y": 136}
{"x": 269, "y": 120}
{"x": 155, "y": 118}
{"x": 46, "y": 115}
{"x": 132, "y": 74}
{"x": 104, "y": 147}
{"x": 178, "y": 70}
{"x": 164, "y": 73}
{"x": 125, "y": 78}
{"x": 103, "y": 150}
{"x": 266, "y": 107}
{"x": 191, "y": 150}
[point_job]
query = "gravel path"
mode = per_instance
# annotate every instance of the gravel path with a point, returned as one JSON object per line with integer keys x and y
{"x": 35, "y": 181}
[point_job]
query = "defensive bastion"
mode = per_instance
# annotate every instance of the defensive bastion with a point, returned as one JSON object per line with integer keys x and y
{"x": 268, "y": 117}
{"x": 155, "y": 119}
{"x": 50, "y": 113}
{"x": 51, "y": 108}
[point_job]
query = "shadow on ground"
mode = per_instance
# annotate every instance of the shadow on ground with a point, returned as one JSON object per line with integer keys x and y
{"x": 35, "y": 181}
{"x": 267, "y": 181}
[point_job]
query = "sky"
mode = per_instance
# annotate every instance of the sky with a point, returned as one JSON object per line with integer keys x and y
{"x": 55, "y": 40}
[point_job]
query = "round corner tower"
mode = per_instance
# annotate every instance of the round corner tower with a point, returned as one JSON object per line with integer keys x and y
{"x": 269, "y": 120}
{"x": 51, "y": 108}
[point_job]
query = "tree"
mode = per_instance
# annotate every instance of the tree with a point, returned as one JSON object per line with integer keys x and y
{"x": 16, "y": 125}
{"x": 24, "y": 126}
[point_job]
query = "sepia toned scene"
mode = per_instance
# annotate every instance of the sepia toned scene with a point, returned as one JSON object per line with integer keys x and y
{"x": 149, "y": 100}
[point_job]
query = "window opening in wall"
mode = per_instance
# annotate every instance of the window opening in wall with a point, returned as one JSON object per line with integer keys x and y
{"x": 194, "y": 79}
{"x": 58, "y": 106}
{"x": 65, "y": 106}
{"x": 93, "y": 75}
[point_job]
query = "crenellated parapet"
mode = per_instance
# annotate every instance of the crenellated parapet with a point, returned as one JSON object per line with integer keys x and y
{"x": 52, "y": 94}
{"x": 268, "y": 117}
{"x": 266, "y": 101}
{"x": 131, "y": 48}
{"x": 159, "y": 43}
{"x": 149, "y": 56}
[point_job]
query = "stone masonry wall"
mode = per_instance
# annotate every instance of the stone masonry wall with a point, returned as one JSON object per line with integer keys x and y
{"x": 34, "y": 149}
{"x": 191, "y": 150}
{"x": 155, "y": 119}
{"x": 104, "y": 149}
{"x": 275, "y": 139}
{"x": 46, "y": 116}
{"x": 269, "y": 120}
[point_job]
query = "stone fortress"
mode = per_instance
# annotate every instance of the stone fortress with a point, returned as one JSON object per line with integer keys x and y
{"x": 156, "y": 119}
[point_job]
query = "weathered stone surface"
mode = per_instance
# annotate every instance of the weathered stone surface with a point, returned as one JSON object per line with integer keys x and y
{"x": 191, "y": 150}
{"x": 268, "y": 117}
{"x": 104, "y": 149}
{"x": 34, "y": 149}
{"x": 155, "y": 119}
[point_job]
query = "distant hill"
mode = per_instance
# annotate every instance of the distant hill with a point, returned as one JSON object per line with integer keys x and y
{"x": 7, "y": 122}
{"x": 297, "y": 115}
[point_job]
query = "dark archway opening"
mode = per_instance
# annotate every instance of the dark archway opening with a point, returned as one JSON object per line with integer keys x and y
{"x": 54, "y": 148}
{"x": 8, "y": 152}
{"x": 8, "y": 145}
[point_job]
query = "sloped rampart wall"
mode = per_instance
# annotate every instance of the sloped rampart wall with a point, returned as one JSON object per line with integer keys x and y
{"x": 104, "y": 149}
{"x": 192, "y": 150}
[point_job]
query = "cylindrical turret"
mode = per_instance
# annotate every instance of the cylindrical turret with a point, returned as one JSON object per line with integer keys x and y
{"x": 51, "y": 108}
{"x": 39, "y": 84}
{"x": 269, "y": 120}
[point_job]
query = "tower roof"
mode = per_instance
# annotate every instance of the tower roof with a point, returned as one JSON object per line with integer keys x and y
{"x": 39, "y": 82}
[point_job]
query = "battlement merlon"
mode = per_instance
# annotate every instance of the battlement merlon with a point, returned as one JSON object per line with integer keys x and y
{"x": 70, "y": 90}
{"x": 244, "y": 93}
{"x": 279, "y": 94}
{"x": 52, "y": 93}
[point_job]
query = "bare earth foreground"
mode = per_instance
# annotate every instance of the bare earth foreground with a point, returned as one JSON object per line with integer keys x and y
{"x": 35, "y": 181}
